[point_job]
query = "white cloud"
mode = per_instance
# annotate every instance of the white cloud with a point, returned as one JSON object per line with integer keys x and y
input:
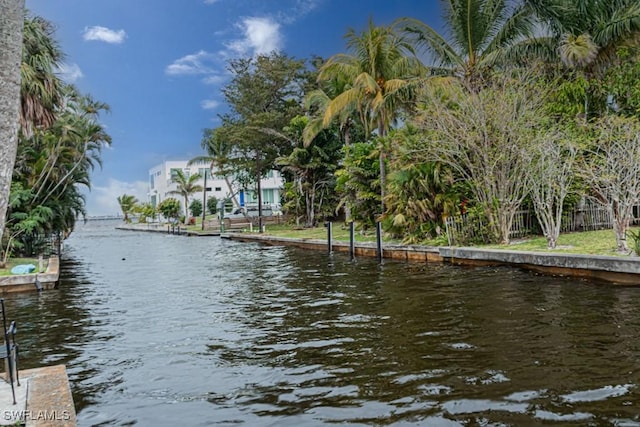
{"x": 70, "y": 73}
{"x": 300, "y": 9}
{"x": 214, "y": 79}
{"x": 104, "y": 34}
{"x": 209, "y": 104}
{"x": 260, "y": 36}
{"x": 196, "y": 63}
{"x": 103, "y": 200}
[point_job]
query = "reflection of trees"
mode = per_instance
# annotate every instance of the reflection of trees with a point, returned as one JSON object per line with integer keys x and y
{"x": 55, "y": 326}
{"x": 363, "y": 336}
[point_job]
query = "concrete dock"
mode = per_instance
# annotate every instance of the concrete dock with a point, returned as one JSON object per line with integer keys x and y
{"x": 43, "y": 399}
{"x": 31, "y": 282}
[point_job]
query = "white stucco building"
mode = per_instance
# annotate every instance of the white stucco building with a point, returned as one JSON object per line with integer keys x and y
{"x": 161, "y": 185}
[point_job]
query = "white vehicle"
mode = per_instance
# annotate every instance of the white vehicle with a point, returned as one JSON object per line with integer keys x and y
{"x": 249, "y": 211}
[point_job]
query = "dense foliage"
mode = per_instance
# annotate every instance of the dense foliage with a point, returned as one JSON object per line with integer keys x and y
{"x": 59, "y": 145}
{"x": 514, "y": 92}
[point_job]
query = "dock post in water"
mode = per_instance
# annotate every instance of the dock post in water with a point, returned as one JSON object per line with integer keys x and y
{"x": 379, "y": 240}
{"x": 352, "y": 240}
{"x": 329, "y": 234}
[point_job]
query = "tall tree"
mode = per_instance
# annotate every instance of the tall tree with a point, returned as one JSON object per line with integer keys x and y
{"x": 11, "y": 26}
{"x": 127, "y": 204}
{"x": 42, "y": 91}
{"x": 312, "y": 167}
{"x": 585, "y": 36}
{"x": 381, "y": 70}
{"x": 586, "y": 33}
{"x": 552, "y": 175}
{"x": 218, "y": 155}
{"x": 612, "y": 170}
{"x": 186, "y": 186}
{"x": 483, "y": 34}
{"x": 484, "y": 136}
{"x": 265, "y": 92}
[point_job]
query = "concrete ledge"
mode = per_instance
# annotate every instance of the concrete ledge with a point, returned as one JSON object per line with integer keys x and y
{"x": 368, "y": 249}
{"x": 49, "y": 399}
{"x": 617, "y": 270}
{"x": 27, "y": 282}
{"x": 609, "y": 268}
{"x": 43, "y": 399}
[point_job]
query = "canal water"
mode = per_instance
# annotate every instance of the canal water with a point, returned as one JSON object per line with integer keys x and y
{"x": 162, "y": 330}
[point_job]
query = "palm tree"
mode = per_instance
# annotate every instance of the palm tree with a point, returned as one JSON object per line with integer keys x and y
{"x": 218, "y": 156}
{"x": 127, "y": 202}
{"x": 380, "y": 72}
{"x": 483, "y": 34}
{"x": 586, "y": 33}
{"x": 11, "y": 26}
{"x": 41, "y": 89}
{"x": 186, "y": 186}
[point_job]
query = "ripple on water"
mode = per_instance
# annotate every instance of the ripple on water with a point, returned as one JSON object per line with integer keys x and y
{"x": 209, "y": 331}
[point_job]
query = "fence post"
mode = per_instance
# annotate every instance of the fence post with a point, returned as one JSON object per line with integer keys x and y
{"x": 329, "y": 235}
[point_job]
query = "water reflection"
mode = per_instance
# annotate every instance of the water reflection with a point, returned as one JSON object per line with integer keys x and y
{"x": 167, "y": 330}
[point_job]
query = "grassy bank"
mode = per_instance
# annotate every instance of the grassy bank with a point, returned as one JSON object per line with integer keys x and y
{"x": 600, "y": 242}
{"x": 12, "y": 262}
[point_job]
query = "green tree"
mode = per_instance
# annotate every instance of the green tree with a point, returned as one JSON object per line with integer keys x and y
{"x": 264, "y": 93}
{"x": 358, "y": 181}
{"x": 218, "y": 155}
{"x": 212, "y": 205}
{"x": 41, "y": 89}
{"x": 612, "y": 170}
{"x": 169, "y": 208}
{"x": 24, "y": 225}
{"x": 195, "y": 207}
{"x": 484, "y": 136}
{"x": 585, "y": 36}
{"x": 586, "y": 33}
{"x": 127, "y": 204}
{"x": 311, "y": 167}
{"x": 55, "y": 161}
{"x": 482, "y": 35}
{"x": 420, "y": 193}
{"x": 145, "y": 211}
{"x": 11, "y": 30}
{"x": 382, "y": 71}
{"x": 186, "y": 186}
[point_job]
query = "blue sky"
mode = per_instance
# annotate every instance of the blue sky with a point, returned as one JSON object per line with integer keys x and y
{"x": 160, "y": 65}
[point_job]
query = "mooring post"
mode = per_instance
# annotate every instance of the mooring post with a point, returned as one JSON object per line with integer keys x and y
{"x": 329, "y": 243}
{"x": 352, "y": 240}
{"x": 379, "y": 240}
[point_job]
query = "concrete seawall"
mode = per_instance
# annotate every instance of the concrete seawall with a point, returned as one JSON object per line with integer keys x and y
{"x": 611, "y": 269}
{"x": 27, "y": 282}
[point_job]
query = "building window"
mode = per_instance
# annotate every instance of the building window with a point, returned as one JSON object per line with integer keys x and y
{"x": 218, "y": 188}
{"x": 204, "y": 172}
{"x": 267, "y": 196}
{"x": 174, "y": 173}
{"x": 151, "y": 182}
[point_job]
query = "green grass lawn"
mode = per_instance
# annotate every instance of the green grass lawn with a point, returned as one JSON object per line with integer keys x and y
{"x": 600, "y": 242}
{"x": 12, "y": 262}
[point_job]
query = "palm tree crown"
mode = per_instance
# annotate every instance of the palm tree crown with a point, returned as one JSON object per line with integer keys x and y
{"x": 482, "y": 34}
{"x": 186, "y": 186}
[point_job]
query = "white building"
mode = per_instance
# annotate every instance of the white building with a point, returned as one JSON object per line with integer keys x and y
{"x": 161, "y": 184}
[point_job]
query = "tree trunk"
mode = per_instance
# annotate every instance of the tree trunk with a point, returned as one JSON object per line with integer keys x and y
{"x": 11, "y": 26}
{"x": 620, "y": 225}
